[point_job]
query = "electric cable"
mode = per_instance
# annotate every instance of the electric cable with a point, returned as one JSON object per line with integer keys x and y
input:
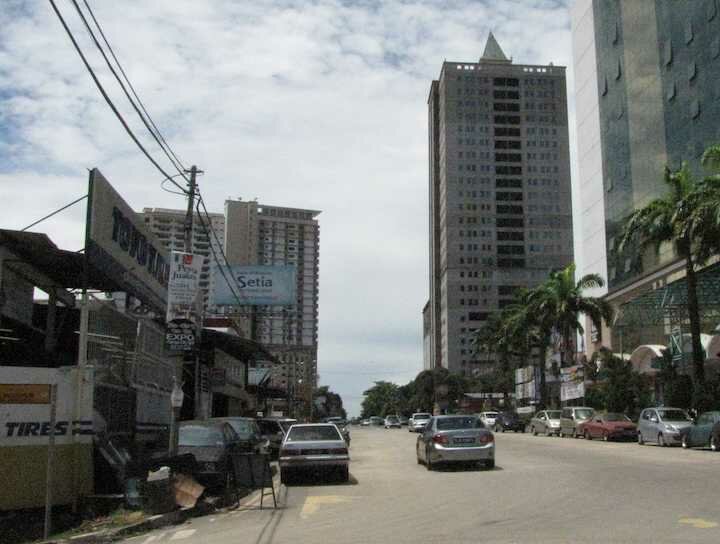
{"x": 107, "y": 97}
{"x": 127, "y": 80}
{"x": 54, "y": 213}
{"x": 127, "y": 94}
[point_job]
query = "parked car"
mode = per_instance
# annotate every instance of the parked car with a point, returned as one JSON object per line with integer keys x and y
{"x": 392, "y": 421}
{"x": 609, "y": 426}
{"x": 215, "y": 447}
{"x": 705, "y": 432}
{"x": 342, "y": 426}
{"x": 571, "y": 417}
{"x": 313, "y": 446}
{"x": 547, "y": 422}
{"x": 274, "y": 430}
{"x": 377, "y": 420}
{"x": 249, "y": 434}
{"x": 365, "y": 423}
{"x": 509, "y": 421}
{"x": 447, "y": 439}
{"x": 404, "y": 420}
{"x": 418, "y": 421}
{"x": 488, "y": 418}
{"x": 662, "y": 425}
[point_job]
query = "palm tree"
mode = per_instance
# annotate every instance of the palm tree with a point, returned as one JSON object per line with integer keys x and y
{"x": 687, "y": 216}
{"x": 557, "y": 304}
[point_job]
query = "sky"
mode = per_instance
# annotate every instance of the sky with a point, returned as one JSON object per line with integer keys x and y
{"x": 309, "y": 104}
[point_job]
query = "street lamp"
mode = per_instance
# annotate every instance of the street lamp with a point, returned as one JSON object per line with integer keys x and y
{"x": 176, "y": 401}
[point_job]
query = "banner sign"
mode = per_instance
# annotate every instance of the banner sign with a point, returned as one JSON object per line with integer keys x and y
{"x": 119, "y": 244}
{"x": 527, "y": 382}
{"x": 255, "y": 285}
{"x": 183, "y": 307}
{"x": 572, "y": 383}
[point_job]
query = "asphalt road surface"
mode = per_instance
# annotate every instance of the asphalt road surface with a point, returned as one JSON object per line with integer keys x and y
{"x": 543, "y": 489}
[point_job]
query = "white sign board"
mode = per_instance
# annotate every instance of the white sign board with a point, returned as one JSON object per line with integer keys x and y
{"x": 255, "y": 285}
{"x": 572, "y": 383}
{"x": 183, "y": 286}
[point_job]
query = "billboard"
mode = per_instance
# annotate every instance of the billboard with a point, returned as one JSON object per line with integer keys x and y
{"x": 527, "y": 382}
{"x": 254, "y": 285}
{"x": 183, "y": 305}
{"x": 119, "y": 244}
{"x": 572, "y": 383}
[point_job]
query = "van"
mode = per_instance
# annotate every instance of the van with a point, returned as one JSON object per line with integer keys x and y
{"x": 571, "y": 417}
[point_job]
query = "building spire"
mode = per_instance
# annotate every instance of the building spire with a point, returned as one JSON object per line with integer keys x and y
{"x": 493, "y": 52}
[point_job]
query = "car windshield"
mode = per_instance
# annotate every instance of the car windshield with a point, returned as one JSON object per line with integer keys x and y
{"x": 674, "y": 415}
{"x": 584, "y": 413}
{"x": 491, "y": 414}
{"x": 316, "y": 432}
{"x": 199, "y": 435}
{"x": 392, "y": 418}
{"x": 452, "y": 423}
{"x": 243, "y": 427}
{"x": 421, "y": 416}
{"x": 616, "y": 417}
{"x": 553, "y": 414}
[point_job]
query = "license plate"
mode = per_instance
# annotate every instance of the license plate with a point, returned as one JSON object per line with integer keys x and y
{"x": 469, "y": 440}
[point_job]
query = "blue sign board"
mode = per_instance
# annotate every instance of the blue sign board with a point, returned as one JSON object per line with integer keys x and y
{"x": 254, "y": 285}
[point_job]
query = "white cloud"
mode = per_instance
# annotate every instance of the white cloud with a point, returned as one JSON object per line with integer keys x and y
{"x": 309, "y": 104}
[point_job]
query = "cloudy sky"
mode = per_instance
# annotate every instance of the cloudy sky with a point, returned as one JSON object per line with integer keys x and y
{"x": 312, "y": 104}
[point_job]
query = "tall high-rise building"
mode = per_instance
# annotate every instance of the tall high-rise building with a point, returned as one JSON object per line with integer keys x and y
{"x": 258, "y": 234}
{"x": 647, "y": 78}
{"x": 169, "y": 226}
{"x": 500, "y": 205}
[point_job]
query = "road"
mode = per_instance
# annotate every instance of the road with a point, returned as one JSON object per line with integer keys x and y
{"x": 543, "y": 489}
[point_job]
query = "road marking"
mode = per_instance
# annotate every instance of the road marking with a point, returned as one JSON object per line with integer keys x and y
{"x": 698, "y": 523}
{"x": 183, "y": 534}
{"x": 313, "y": 502}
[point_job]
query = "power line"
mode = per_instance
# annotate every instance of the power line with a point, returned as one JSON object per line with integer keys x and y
{"x": 125, "y": 91}
{"x": 106, "y": 97}
{"x": 142, "y": 106}
{"x": 54, "y": 213}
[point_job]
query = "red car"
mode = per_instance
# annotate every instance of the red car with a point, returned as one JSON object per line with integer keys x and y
{"x": 610, "y": 426}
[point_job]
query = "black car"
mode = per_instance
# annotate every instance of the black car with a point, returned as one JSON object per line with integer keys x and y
{"x": 216, "y": 449}
{"x": 274, "y": 429}
{"x": 509, "y": 421}
{"x": 249, "y": 434}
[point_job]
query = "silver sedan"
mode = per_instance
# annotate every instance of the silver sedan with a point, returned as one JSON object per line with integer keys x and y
{"x": 447, "y": 439}
{"x": 547, "y": 422}
{"x": 313, "y": 446}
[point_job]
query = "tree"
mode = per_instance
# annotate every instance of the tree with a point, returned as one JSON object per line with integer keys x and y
{"x": 327, "y": 404}
{"x": 558, "y": 302}
{"x": 381, "y": 399}
{"x": 688, "y": 216}
{"x": 618, "y": 387}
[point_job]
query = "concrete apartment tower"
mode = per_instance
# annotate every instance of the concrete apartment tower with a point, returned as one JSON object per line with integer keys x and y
{"x": 499, "y": 193}
{"x": 257, "y": 234}
{"x": 169, "y": 226}
{"x": 647, "y": 77}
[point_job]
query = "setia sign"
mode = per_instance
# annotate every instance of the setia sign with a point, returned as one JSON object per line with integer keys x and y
{"x": 183, "y": 305}
{"x": 256, "y": 286}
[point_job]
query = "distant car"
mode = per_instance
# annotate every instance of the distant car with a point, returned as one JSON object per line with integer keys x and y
{"x": 215, "y": 447}
{"x": 249, "y": 434}
{"x": 571, "y": 417}
{"x": 609, "y": 426}
{"x": 662, "y": 425}
{"x": 313, "y": 446}
{"x": 403, "y": 420}
{"x": 377, "y": 420}
{"x": 509, "y": 421}
{"x": 342, "y": 425}
{"x": 488, "y": 418}
{"x": 547, "y": 422}
{"x": 417, "y": 421}
{"x": 705, "y": 432}
{"x": 365, "y": 423}
{"x": 274, "y": 430}
{"x": 448, "y": 439}
{"x": 392, "y": 421}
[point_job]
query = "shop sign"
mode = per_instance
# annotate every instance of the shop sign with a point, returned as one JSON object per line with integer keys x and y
{"x": 255, "y": 285}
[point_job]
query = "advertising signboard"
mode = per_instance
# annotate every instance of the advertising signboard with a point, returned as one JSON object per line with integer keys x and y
{"x": 255, "y": 285}
{"x": 572, "y": 383}
{"x": 527, "y": 382}
{"x": 118, "y": 243}
{"x": 183, "y": 307}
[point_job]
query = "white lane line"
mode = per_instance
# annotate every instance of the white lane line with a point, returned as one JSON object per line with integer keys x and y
{"x": 183, "y": 534}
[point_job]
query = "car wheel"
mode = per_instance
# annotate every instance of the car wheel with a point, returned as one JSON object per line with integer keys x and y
{"x": 606, "y": 437}
{"x": 533, "y": 430}
{"x": 714, "y": 444}
{"x": 685, "y": 442}
{"x": 640, "y": 438}
{"x": 547, "y": 431}
{"x": 588, "y": 436}
{"x": 417, "y": 455}
{"x": 490, "y": 463}
{"x": 574, "y": 432}
{"x": 561, "y": 434}
{"x": 661, "y": 440}
{"x": 428, "y": 462}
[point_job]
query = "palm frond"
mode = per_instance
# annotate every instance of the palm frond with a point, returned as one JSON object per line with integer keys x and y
{"x": 711, "y": 158}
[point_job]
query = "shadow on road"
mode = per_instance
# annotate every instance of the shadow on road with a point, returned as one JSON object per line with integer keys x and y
{"x": 316, "y": 478}
{"x": 463, "y": 467}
